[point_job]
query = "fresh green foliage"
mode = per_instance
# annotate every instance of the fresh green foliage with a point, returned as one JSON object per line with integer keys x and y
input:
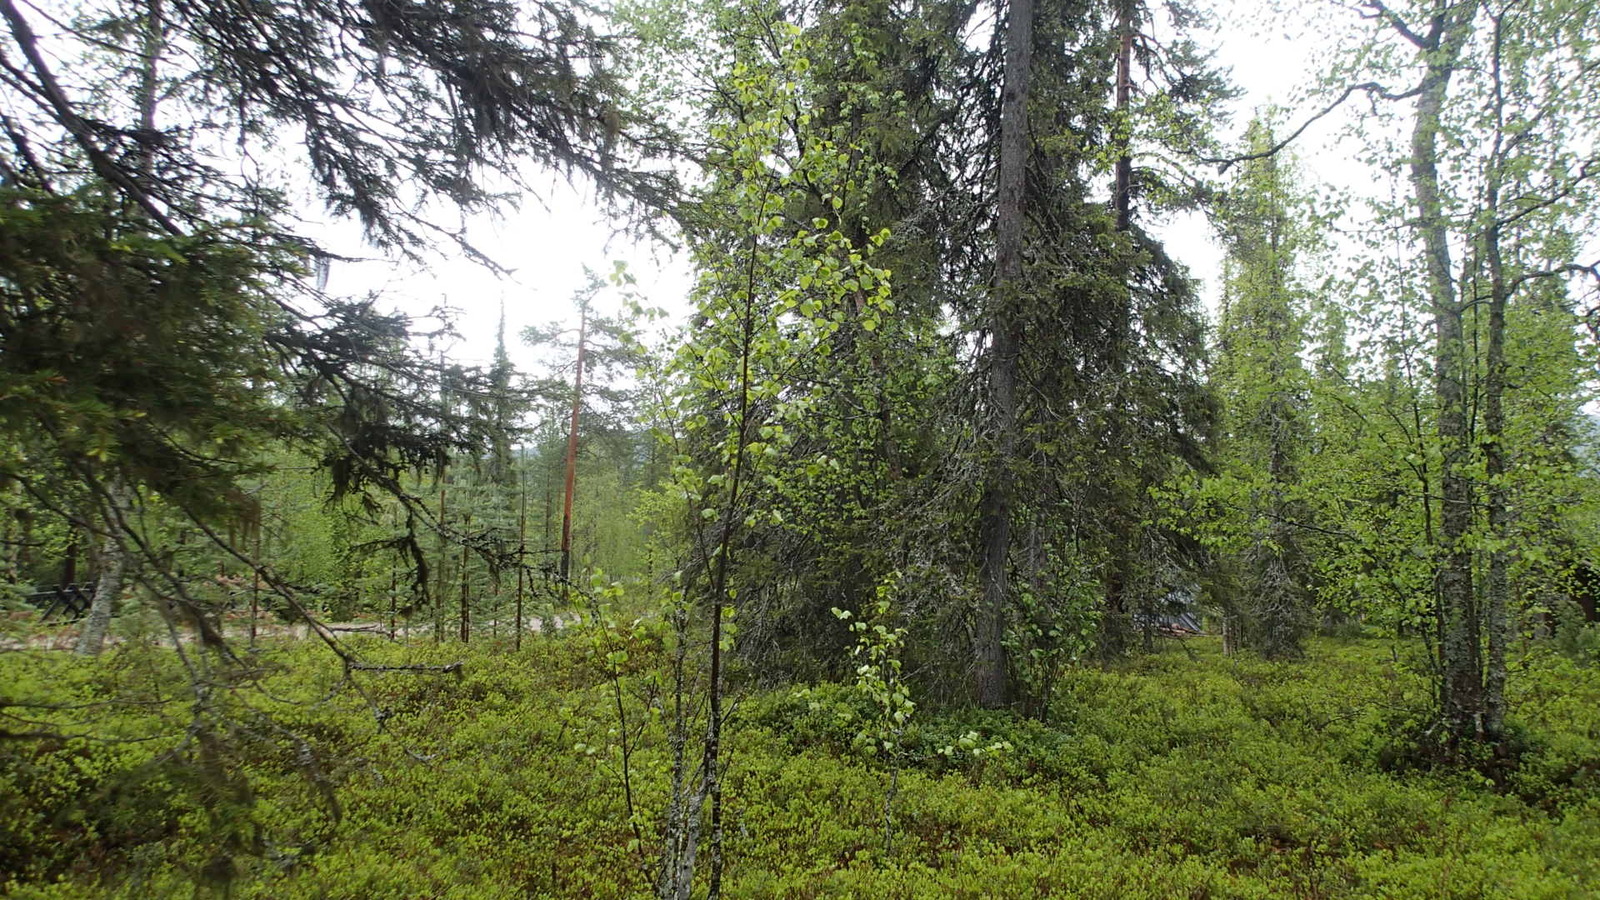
{"x": 877, "y": 655}
{"x": 790, "y": 308}
{"x": 1168, "y": 775}
{"x": 938, "y": 386}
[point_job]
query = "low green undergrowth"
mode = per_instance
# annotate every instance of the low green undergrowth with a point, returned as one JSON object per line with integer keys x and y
{"x": 1183, "y": 774}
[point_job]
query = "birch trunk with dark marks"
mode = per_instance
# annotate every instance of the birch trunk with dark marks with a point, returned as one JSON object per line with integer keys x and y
{"x": 1461, "y": 689}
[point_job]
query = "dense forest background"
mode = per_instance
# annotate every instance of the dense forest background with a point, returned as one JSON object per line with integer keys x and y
{"x": 949, "y": 486}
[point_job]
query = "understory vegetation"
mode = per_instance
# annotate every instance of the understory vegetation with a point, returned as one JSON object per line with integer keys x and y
{"x": 1183, "y": 773}
{"x": 947, "y": 537}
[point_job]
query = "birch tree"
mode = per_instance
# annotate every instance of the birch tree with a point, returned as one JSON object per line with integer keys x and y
{"x": 1477, "y": 240}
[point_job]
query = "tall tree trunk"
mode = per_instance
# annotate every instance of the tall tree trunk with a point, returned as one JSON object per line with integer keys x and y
{"x": 1010, "y": 218}
{"x": 572, "y": 456}
{"x": 549, "y": 495}
{"x": 1116, "y": 632}
{"x": 439, "y": 578}
{"x": 464, "y": 623}
{"x": 1122, "y": 197}
{"x": 522, "y": 550}
{"x": 442, "y": 481}
{"x": 1461, "y": 693}
{"x": 1497, "y": 588}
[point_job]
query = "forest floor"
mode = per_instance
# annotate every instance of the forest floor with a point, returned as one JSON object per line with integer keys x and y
{"x": 1183, "y": 774}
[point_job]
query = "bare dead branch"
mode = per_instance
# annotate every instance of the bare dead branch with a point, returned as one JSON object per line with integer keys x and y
{"x": 1371, "y": 89}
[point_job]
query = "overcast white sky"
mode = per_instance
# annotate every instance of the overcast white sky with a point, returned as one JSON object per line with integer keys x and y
{"x": 546, "y": 244}
{"x": 550, "y": 240}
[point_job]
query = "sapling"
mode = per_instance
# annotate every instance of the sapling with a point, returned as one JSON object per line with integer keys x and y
{"x": 878, "y": 678}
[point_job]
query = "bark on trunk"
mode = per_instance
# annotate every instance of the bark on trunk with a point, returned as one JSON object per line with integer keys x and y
{"x": 1123, "y": 194}
{"x": 681, "y": 832}
{"x": 112, "y": 566}
{"x": 572, "y": 458}
{"x": 1461, "y": 692}
{"x": 464, "y": 623}
{"x": 439, "y": 580}
{"x": 1497, "y": 588}
{"x": 522, "y": 551}
{"x": 995, "y": 507}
